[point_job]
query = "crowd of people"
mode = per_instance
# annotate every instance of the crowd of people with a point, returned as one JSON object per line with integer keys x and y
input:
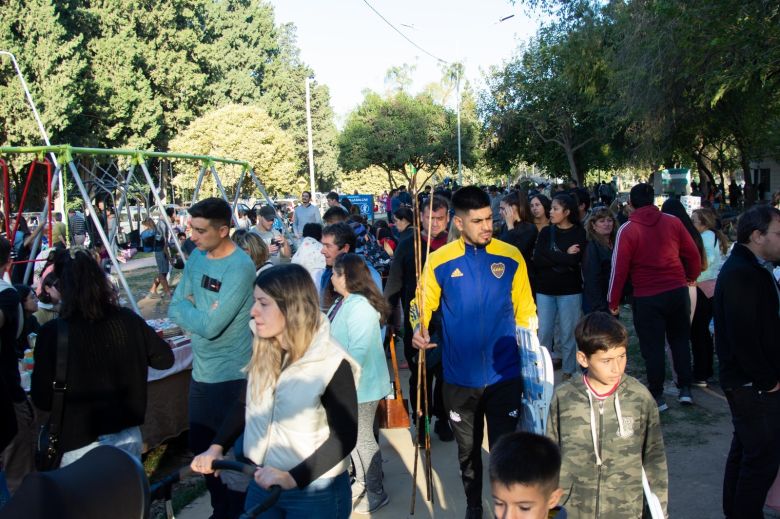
{"x": 289, "y": 330}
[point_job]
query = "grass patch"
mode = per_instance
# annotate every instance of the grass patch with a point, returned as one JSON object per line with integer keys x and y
{"x": 165, "y": 460}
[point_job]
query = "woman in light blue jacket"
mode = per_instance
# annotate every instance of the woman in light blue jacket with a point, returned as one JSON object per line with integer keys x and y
{"x": 356, "y": 317}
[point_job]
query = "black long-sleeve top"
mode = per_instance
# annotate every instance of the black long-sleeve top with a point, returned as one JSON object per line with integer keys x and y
{"x": 596, "y": 268}
{"x": 523, "y": 236}
{"x": 746, "y": 309}
{"x": 9, "y": 359}
{"x": 339, "y": 401}
{"x": 558, "y": 273}
{"x": 106, "y": 374}
{"x": 402, "y": 279}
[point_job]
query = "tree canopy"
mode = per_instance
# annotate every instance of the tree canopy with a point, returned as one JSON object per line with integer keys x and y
{"x": 653, "y": 83}
{"x": 124, "y": 74}
{"x": 240, "y": 132}
{"x": 399, "y": 130}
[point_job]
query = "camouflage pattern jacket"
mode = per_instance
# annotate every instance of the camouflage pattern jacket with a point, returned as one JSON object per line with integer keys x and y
{"x": 601, "y": 472}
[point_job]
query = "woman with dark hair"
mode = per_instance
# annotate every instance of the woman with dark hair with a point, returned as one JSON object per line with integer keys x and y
{"x": 49, "y": 300}
{"x": 716, "y": 246}
{"x": 29, "y": 301}
{"x": 540, "y": 211}
{"x": 601, "y": 229}
{"x": 674, "y": 207}
{"x": 517, "y": 229}
{"x": 299, "y": 413}
{"x": 356, "y": 319}
{"x": 557, "y": 262}
{"x": 404, "y": 223}
{"x": 109, "y": 351}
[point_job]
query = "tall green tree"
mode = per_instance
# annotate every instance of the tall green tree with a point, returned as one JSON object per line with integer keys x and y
{"x": 237, "y": 43}
{"x": 687, "y": 81}
{"x": 53, "y": 65}
{"x": 546, "y": 106}
{"x": 402, "y": 130}
{"x": 243, "y": 133}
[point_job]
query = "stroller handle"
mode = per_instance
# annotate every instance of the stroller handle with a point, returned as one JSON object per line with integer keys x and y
{"x": 162, "y": 489}
{"x": 236, "y": 466}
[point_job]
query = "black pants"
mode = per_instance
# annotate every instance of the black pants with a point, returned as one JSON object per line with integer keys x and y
{"x": 754, "y": 457}
{"x": 701, "y": 338}
{"x": 209, "y": 404}
{"x": 468, "y": 408}
{"x": 664, "y": 316}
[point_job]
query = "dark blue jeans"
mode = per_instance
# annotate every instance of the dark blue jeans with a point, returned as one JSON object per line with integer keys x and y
{"x": 754, "y": 457}
{"x": 323, "y": 499}
{"x": 209, "y": 404}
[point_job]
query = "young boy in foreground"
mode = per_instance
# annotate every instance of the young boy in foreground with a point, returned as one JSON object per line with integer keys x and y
{"x": 524, "y": 471}
{"x": 607, "y": 426}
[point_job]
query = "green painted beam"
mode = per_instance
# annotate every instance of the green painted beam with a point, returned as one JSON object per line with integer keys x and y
{"x": 68, "y": 151}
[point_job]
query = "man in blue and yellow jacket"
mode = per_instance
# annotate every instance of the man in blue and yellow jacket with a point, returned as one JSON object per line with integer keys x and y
{"x": 481, "y": 288}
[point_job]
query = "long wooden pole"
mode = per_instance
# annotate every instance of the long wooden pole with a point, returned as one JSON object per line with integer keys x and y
{"x": 421, "y": 413}
{"x": 429, "y": 464}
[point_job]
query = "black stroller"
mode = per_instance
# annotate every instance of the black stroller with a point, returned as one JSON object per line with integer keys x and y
{"x": 105, "y": 483}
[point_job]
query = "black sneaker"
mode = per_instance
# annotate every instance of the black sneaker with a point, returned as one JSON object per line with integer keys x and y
{"x": 443, "y": 430}
{"x": 685, "y": 397}
{"x": 661, "y": 403}
{"x": 474, "y": 512}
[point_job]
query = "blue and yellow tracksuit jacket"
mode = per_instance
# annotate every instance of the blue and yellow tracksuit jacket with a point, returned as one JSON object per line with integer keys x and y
{"x": 482, "y": 293}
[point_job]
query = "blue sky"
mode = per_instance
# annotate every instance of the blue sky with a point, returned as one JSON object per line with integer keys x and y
{"x": 350, "y": 48}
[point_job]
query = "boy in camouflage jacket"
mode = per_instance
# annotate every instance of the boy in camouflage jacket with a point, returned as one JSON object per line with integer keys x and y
{"x": 607, "y": 426}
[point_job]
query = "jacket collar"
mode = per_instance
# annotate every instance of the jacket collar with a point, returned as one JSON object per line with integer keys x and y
{"x": 472, "y": 249}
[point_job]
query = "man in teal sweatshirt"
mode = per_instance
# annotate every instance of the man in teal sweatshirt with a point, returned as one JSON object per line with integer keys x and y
{"x": 212, "y": 303}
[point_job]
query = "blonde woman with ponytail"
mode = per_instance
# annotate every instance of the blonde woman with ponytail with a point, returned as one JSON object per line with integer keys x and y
{"x": 299, "y": 417}
{"x": 716, "y": 246}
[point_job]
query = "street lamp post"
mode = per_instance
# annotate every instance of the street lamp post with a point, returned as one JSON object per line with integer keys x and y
{"x": 460, "y": 165}
{"x": 311, "y": 148}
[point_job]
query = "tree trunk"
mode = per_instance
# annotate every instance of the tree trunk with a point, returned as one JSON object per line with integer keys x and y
{"x": 390, "y": 179}
{"x": 573, "y": 171}
{"x": 704, "y": 169}
{"x": 750, "y": 191}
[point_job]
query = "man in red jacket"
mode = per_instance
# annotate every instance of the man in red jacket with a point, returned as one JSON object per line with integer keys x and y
{"x": 656, "y": 252}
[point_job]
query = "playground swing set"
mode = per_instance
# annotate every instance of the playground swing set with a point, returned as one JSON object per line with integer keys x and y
{"x": 96, "y": 170}
{"x": 104, "y": 175}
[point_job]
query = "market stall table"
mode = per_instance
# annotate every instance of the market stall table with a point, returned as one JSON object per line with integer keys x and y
{"x": 167, "y": 409}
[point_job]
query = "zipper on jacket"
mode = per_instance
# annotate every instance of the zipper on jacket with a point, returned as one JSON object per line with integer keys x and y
{"x": 598, "y": 477}
{"x": 481, "y": 317}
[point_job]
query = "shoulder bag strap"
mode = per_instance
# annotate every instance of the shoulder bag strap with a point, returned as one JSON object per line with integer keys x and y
{"x": 59, "y": 386}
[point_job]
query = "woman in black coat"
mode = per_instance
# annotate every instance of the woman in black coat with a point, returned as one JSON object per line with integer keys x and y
{"x": 517, "y": 229}
{"x": 601, "y": 229}
{"x": 109, "y": 351}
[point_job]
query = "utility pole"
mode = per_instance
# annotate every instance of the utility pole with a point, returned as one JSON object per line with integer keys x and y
{"x": 460, "y": 165}
{"x": 311, "y": 148}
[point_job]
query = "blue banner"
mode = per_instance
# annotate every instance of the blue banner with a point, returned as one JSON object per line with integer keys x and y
{"x": 365, "y": 203}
